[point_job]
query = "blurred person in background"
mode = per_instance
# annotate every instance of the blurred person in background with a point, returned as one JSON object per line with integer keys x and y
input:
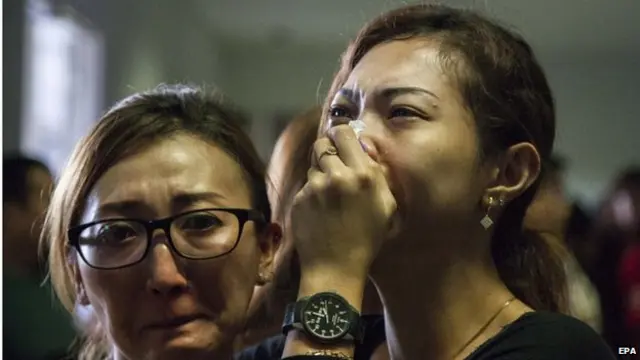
{"x": 553, "y": 215}
{"x": 35, "y": 326}
{"x": 615, "y": 260}
{"x": 290, "y": 161}
{"x": 160, "y": 227}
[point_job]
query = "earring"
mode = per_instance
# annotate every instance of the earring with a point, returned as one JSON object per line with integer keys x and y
{"x": 262, "y": 279}
{"x": 486, "y": 221}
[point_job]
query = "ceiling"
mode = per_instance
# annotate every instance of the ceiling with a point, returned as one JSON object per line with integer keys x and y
{"x": 589, "y": 26}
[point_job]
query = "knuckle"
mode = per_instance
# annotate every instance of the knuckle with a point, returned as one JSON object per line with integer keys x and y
{"x": 343, "y": 181}
{"x": 339, "y": 178}
{"x": 316, "y": 184}
{"x": 321, "y": 145}
{"x": 318, "y": 146}
{"x": 311, "y": 173}
{"x": 364, "y": 178}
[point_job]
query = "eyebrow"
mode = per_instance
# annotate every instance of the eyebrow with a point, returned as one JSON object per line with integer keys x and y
{"x": 185, "y": 199}
{"x": 389, "y": 92}
{"x": 180, "y": 200}
{"x": 392, "y": 92}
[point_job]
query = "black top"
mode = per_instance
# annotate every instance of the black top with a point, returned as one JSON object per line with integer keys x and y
{"x": 544, "y": 336}
{"x": 534, "y": 336}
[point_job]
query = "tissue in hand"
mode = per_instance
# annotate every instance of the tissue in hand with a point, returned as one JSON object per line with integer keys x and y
{"x": 358, "y": 126}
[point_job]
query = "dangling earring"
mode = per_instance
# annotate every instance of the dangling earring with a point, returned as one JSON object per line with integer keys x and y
{"x": 486, "y": 221}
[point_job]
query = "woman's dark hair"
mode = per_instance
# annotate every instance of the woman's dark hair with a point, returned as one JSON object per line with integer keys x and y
{"x": 505, "y": 88}
{"x": 134, "y": 123}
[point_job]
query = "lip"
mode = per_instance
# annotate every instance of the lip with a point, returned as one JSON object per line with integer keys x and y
{"x": 174, "y": 322}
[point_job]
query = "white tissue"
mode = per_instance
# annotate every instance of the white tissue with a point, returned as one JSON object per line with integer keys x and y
{"x": 358, "y": 127}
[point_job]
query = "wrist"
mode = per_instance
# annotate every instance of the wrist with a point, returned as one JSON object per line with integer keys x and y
{"x": 351, "y": 287}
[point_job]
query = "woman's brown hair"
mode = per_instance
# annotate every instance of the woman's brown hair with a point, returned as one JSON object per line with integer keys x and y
{"x": 132, "y": 124}
{"x": 505, "y": 88}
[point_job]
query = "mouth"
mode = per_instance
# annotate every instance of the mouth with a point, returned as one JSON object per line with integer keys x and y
{"x": 174, "y": 322}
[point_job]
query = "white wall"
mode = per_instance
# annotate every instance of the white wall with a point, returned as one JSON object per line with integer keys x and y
{"x": 598, "y": 120}
{"x": 152, "y": 42}
{"x": 12, "y": 58}
{"x": 598, "y": 116}
{"x": 269, "y": 78}
{"x": 597, "y": 113}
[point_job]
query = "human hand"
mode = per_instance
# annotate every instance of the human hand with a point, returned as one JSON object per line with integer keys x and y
{"x": 342, "y": 214}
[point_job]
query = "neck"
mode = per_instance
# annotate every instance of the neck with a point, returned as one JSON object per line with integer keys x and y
{"x": 435, "y": 316}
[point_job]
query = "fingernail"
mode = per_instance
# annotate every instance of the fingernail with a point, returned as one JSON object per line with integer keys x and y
{"x": 364, "y": 145}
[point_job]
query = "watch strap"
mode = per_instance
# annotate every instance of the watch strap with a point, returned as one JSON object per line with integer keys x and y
{"x": 293, "y": 316}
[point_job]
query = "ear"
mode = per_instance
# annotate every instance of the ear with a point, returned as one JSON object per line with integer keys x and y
{"x": 515, "y": 171}
{"x": 269, "y": 243}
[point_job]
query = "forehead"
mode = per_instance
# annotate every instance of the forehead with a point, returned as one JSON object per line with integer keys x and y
{"x": 181, "y": 163}
{"x": 402, "y": 63}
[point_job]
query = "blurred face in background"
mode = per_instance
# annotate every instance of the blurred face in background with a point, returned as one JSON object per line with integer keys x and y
{"x": 23, "y": 220}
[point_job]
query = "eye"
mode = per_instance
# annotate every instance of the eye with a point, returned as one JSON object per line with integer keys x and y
{"x": 404, "y": 112}
{"x": 339, "y": 112}
{"x": 113, "y": 234}
{"x": 200, "y": 222}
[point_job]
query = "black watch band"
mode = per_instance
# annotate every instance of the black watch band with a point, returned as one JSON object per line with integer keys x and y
{"x": 324, "y": 317}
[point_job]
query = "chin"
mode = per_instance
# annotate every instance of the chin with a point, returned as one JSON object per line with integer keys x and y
{"x": 196, "y": 343}
{"x": 178, "y": 349}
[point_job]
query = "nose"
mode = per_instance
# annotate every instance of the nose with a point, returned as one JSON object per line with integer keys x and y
{"x": 370, "y": 135}
{"x": 166, "y": 278}
{"x": 369, "y": 146}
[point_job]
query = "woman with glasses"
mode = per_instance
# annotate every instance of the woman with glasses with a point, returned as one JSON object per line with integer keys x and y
{"x": 160, "y": 228}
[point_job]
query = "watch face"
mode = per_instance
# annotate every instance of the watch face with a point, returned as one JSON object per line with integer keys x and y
{"x": 326, "y": 316}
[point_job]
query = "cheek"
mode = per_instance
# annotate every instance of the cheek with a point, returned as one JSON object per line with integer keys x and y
{"x": 111, "y": 295}
{"x": 226, "y": 284}
{"x": 436, "y": 169}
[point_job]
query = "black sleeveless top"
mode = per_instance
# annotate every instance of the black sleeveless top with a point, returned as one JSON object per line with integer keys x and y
{"x": 536, "y": 335}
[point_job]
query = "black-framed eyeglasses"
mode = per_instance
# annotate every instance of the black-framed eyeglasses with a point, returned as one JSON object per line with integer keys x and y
{"x": 197, "y": 235}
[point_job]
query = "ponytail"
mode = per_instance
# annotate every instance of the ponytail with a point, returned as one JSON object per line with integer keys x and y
{"x": 530, "y": 263}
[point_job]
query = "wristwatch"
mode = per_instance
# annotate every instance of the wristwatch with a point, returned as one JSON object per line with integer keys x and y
{"x": 325, "y": 317}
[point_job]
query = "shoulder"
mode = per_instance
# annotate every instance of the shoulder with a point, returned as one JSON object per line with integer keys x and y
{"x": 545, "y": 335}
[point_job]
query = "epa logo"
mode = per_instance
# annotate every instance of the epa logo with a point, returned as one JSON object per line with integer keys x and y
{"x": 627, "y": 351}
